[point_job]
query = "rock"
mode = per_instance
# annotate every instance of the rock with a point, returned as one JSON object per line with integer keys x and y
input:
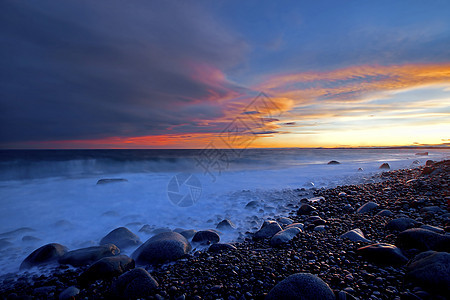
{"x": 422, "y": 153}
{"x": 226, "y": 225}
{"x": 69, "y": 293}
{"x": 166, "y": 246}
{"x": 146, "y": 229}
{"x": 284, "y": 236}
{"x": 111, "y": 180}
{"x": 333, "y": 162}
{"x": 384, "y": 254}
{"x": 320, "y": 228}
{"x": 385, "y": 213}
{"x": 427, "y": 170}
{"x": 367, "y": 207}
{"x": 385, "y": 166}
{"x": 401, "y": 224}
{"x": 206, "y": 237}
{"x": 433, "y": 228}
{"x": 252, "y": 204}
{"x": 305, "y": 209}
{"x": 423, "y": 240}
{"x": 16, "y": 232}
{"x": 302, "y": 286}
{"x": 134, "y": 284}
{"x": 161, "y": 230}
{"x": 355, "y": 235}
{"x": 431, "y": 271}
{"x": 46, "y": 254}
{"x": 107, "y": 268}
{"x": 121, "y": 237}
{"x": 267, "y": 230}
{"x": 188, "y": 234}
{"x": 220, "y": 247}
{"x": 298, "y": 225}
{"x": 429, "y": 163}
{"x": 432, "y": 209}
{"x": 285, "y": 221}
{"x": 86, "y": 256}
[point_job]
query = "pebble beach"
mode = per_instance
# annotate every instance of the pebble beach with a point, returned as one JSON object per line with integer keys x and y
{"x": 389, "y": 239}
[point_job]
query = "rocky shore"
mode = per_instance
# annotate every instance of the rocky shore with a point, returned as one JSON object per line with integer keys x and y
{"x": 384, "y": 240}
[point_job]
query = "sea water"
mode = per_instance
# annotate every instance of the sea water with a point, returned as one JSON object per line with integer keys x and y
{"x": 52, "y": 196}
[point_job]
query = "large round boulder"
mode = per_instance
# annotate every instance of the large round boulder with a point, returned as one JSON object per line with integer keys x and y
{"x": 367, "y": 207}
{"x": 401, "y": 224}
{"x": 107, "y": 268}
{"x": 423, "y": 240}
{"x": 122, "y": 237}
{"x": 284, "y": 236}
{"x": 134, "y": 284}
{"x": 46, "y": 254}
{"x": 355, "y": 235}
{"x": 206, "y": 237}
{"x": 431, "y": 271}
{"x": 267, "y": 230}
{"x": 301, "y": 286}
{"x": 221, "y": 247}
{"x": 86, "y": 256}
{"x": 384, "y": 254}
{"x": 166, "y": 246}
{"x": 305, "y": 209}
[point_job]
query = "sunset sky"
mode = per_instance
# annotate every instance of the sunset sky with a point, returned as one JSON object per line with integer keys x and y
{"x": 180, "y": 74}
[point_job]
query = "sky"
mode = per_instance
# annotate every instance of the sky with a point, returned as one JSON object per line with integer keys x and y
{"x": 81, "y": 74}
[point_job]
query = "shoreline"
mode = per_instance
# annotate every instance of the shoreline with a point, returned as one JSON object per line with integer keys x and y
{"x": 254, "y": 267}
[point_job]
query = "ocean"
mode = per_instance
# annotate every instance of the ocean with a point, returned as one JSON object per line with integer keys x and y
{"x": 51, "y": 196}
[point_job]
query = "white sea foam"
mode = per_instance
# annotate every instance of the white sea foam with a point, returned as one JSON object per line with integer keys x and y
{"x": 76, "y": 212}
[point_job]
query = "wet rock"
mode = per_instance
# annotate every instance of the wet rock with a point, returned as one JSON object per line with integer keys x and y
{"x": 298, "y": 225}
{"x": 301, "y": 286}
{"x": 252, "y": 204}
{"x": 107, "y": 268}
{"x": 69, "y": 293}
{"x": 433, "y": 228}
{"x": 285, "y": 221}
{"x": 226, "y": 225}
{"x": 267, "y": 230}
{"x": 367, "y": 207}
{"x": 305, "y": 209}
{"x": 284, "y": 236}
{"x": 161, "y": 230}
{"x": 385, "y": 166}
{"x": 220, "y": 247}
{"x": 401, "y": 224}
{"x": 166, "y": 246}
{"x": 122, "y": 237}
{"x": 422, "y": 153}
{"x": 111, "y": 180}
{"x": 188, "y": 234}
{"x": 432, "y": 209}
{"x": 385, "y": 213}
{"x": 134, "y": 284}
{"x": 86, "y": 256}
{"x": 146, "y": 229}
{"x": 206, "y": 237}
{"x": 46, "y": 254}
{"x": 430, "y": 270}
{"x": 333, "y": 162}
{"x": 355, "y": 235}
{"x": 429, "y": 163}
{"x": 384, "y": 254}
{"x": 423, "y": 240}
{"x": 320, "y": 228}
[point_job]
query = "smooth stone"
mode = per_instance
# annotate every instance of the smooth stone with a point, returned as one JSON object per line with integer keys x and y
{"x": 285, "y": 221}
{"x": 431, "y": 271}
{"x": 146, "y": 229}
{"x": 385, "y": 254}
{"x": 252, "y": 204}
{"x": 107, "y": 268}
{"x": 429, "y": 162}
{"x": 134, "y": 284}
{"x": 166, "y": 246}
{"x": 206, "y": 237}
{"x": 355, "y": 235}
{"x": 431, "y": 209}
{"x": 46, "y": 254}
{"x": 385, "y": 213}
{"x": 385, "y": 166}
{"x": 302, "y": 286}
{"x": 161, "y": 230}
{"x": 333, "y": 162}
{"x": 226, "y": 225}
{"x": 122, "y": 237}
{"x": 220, "y": 247}
{"x": 188, "y": 234}
{"x": 367, "y": 207}
{"x": 433, "y": 228}
{"x": 267, "y": 230}
{"x": 111, "y": 180}
{"x": 284, "y": 236}
{"x": 320, "y": 228}
{"x": 305, "y": 209}
{"x": 86, "y": 256}
{"x": 298, "y": 225}
{"x": 423, "y": 240}
{"x": 69, "y": 293}
{"x": 401, "y": 224}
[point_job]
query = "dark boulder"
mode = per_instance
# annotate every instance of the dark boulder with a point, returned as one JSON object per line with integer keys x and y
{"x": 107, "y": 268}
{"x": 385, "y": 166}
{"x": 163, "y": 247}
{"x": 401, "y": 224}
{"x": 86, "y": 256}
{"x": 122, "y": 237}
{"x": 220, "y": 247}
{"x": 384, "y": 254}
{"x": 111, "y": 180}
{"x": 134, "y": 284}
{"x": 226, "y": 225}
{"x": 431, "y": 271}
{"x": 46, "y": 254}
{"x": 367, "y": 207}
{"x": 305, "y": 209}
{"x": 206, "y": 237}
{"x": 188, "y": 234}
{"x": 284, "y": 236}
{"x": 423, "y": 240}
{"x": 385, "y": 213}
{"x": 267, "y": 230}
{"x": 301, "y": 286}
{"x": 333, "y": 162}
{"x": 355, "y": 235}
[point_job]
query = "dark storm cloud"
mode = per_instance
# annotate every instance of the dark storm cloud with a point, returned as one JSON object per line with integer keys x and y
{"x": 93, "y": 69}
